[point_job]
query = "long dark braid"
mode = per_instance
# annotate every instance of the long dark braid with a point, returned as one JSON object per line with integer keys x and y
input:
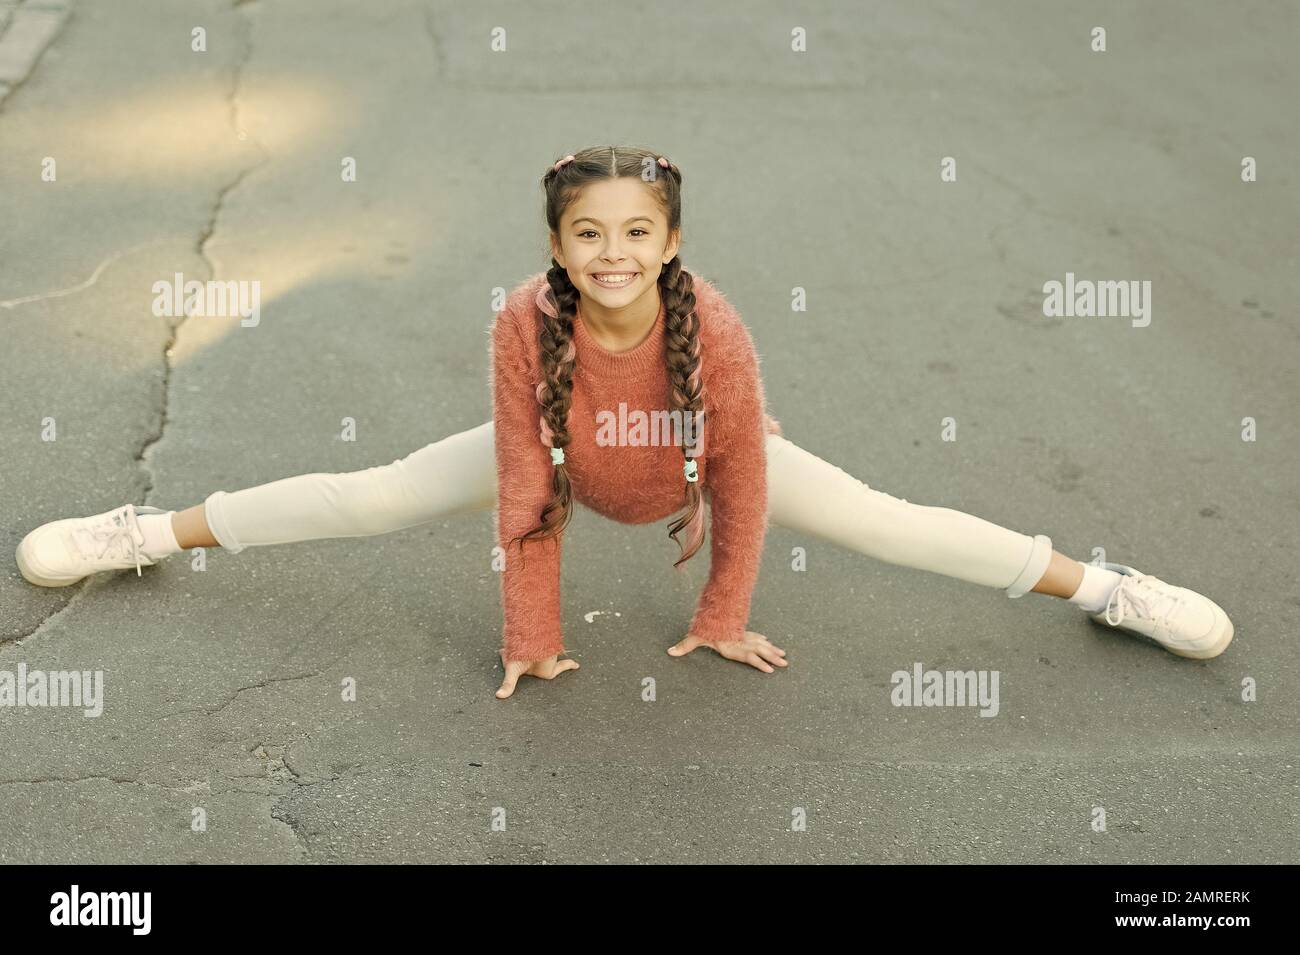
{"x": 555, "y": 395}
{"x": 682, "y": 347}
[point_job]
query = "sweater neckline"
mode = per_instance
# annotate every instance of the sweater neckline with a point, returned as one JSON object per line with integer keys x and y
{"x": 596, "y": 357}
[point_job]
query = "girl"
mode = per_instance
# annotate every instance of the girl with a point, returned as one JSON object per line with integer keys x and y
{"x": 587, "y": 358}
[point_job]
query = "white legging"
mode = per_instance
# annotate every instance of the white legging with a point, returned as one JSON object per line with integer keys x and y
{"x": 457, "y": 475}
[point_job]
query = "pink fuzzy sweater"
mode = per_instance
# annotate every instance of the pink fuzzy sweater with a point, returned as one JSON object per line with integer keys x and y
{"x": 632, "y": 484}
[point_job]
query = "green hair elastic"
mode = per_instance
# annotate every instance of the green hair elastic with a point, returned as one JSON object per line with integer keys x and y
{"x": 557, "y": 455}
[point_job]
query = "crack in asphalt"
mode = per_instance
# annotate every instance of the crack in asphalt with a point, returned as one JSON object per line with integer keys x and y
{"x": 295, "y": 781}
{"x": 144, "y": 456}
{"x": 56, "y": 16}
{"x": 285, "y": 779}
{"x": 439, "y": 59}
{"x": 278, "y": 757}
{"x": 282, "y": 777}
{"x": 90, "y": 584}
{"x": 94, "y": 777}
{"x": 143, "y": 460}
{"x": 13, "y": 303}
{"x": 235, "y": 695}
{"x": 213, "y": 711}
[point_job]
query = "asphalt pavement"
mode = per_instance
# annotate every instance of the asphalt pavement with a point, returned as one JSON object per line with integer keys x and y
{"x": 227, "y": 732}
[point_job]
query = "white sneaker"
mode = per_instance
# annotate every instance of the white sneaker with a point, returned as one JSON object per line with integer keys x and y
{"x": 1180, "y": 620}
{"x": 63, "y": 552}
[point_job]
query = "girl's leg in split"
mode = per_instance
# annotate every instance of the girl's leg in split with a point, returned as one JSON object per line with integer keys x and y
{"x": 456, "y": 475}
{"x": 806, "y": 493}
{"x": 453, "y": 476}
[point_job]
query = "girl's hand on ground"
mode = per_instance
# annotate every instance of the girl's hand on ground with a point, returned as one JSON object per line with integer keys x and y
{"x": 754, "y": 649}
{"x": 545, "y": 669}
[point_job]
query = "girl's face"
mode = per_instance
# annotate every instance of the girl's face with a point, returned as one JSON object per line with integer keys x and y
{"x": 614, "y": 242}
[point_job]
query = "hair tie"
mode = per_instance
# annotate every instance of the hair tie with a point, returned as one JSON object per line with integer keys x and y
{"x": 663, "y": 162}
{"x": 563, "y": 162}
{"x": 543, "y": 301}
{"x": 557, "y": 456}
{"x": 692, "y": 470}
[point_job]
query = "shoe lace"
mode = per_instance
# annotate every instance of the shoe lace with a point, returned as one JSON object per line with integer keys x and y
{"x": 114, "y": 536}
{"x": 1141, "y": 595}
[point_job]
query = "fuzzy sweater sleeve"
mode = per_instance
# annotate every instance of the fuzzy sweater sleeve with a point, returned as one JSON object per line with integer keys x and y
{"x": 530, "y": 583}
{"x": 735, "y": 475}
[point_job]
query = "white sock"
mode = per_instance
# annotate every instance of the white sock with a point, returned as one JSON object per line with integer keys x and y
{"x": 159, "y": 538}
{"x": 1096, "y": 587}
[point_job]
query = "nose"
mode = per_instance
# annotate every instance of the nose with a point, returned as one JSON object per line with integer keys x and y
{"x": 611, "y": 255}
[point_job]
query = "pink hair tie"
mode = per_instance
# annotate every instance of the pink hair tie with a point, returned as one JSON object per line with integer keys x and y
{"x": 543, "y": 301}
{"x": 563, "y": 162}
{"x": 663, "y": 162}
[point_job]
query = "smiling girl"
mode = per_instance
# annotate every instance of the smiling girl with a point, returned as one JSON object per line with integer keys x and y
{"x": 618, "y": 321}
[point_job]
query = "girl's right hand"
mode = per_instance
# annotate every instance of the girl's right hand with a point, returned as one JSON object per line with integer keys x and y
{"x": 545, "y": 669}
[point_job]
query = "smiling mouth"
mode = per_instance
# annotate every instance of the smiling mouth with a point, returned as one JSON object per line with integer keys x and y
{"x": 614, "y": 279}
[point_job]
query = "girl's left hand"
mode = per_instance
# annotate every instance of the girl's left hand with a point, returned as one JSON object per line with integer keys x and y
{"x": 754, "y": 649}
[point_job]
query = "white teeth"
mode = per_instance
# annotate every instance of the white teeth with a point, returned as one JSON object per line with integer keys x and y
{"x": 610, "y": 280}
